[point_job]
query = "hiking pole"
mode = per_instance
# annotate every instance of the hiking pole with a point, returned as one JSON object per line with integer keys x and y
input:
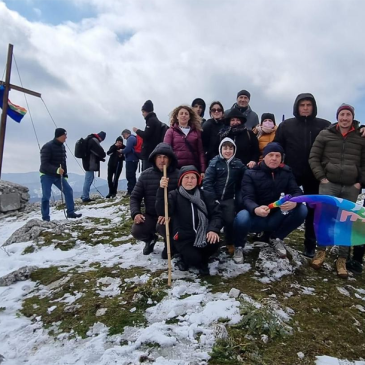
{"x": 167, "y": 229}
{"x": 63, "y": 204}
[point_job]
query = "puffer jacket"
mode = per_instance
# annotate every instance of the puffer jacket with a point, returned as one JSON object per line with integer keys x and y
{"x": 340, "y": 159}
{"x": 297, "y": 136}
{"x": 184, "y": 223}
{"x": 95, "y": 154}
{"x": 53, "y": 154}
{"x": 210, "y": 137}
{"x": 246, "y": 142}
{"x": 262, "y": 185}
{"x": 149, "y": 182}
{"x": 179, "y": 143}
{"x": 265, "y": 139}
{"x": 223, "y": 177}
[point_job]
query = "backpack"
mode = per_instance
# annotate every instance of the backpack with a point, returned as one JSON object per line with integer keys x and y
{"x": 138, "y": 146}
{"x": 81, "y": 147}
{"x": 164, "y": 128}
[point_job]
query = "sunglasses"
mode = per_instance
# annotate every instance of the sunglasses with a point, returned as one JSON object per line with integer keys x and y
{"x": 214, "y": 110}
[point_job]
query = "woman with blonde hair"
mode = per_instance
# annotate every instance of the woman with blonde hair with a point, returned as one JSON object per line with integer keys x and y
{"x": 184, "y": 136}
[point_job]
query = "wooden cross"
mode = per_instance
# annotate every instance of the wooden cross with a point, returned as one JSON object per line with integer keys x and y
{"x": 8, "y": 86}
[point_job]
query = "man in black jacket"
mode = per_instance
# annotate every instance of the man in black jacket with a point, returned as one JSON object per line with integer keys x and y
{"x": 151, "y": 135}
{"x": 297, "y": 136}
{"x": 260, "y": 187}
{"x": 115, "y": 166}
{"x": 144, "y": 226}
{"x": 54, "y": 172}
{"x": 91, "y": 162}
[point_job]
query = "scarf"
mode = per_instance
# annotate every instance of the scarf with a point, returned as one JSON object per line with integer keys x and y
{"x": 232, "y": 131}
{"x": 262, "y": 130}
{"x": 201, "y": 231}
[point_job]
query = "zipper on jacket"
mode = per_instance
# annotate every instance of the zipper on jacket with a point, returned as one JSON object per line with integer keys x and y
{"x": 225, "y": 185}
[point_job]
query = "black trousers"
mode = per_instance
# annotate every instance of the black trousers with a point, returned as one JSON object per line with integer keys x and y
{"x": 310, "y": 186}
{"x": 228, "y": 212}
{"x": 113, "y": 177}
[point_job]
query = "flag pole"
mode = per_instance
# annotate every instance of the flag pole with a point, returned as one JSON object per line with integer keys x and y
{"x": 5, "y": 104}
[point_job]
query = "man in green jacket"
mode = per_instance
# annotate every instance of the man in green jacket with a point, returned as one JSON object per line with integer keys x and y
{"x": 337, "y": 160}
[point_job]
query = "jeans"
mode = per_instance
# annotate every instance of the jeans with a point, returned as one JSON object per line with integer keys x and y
{"x": 130, "y": 174}
{"x": 47, "y": 181}
{"x": 279, "y": 224}
{"x": 89, "y": 178}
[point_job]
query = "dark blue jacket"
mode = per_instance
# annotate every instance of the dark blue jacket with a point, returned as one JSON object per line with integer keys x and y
{"x": 53, "y": 154}
{"x": 223, "y": 179}
{"x": 128, "y": 151}
{"x": 262, "y": 185}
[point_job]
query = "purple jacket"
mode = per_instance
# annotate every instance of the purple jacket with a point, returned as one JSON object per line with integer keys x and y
{"x": 180, "y": 145}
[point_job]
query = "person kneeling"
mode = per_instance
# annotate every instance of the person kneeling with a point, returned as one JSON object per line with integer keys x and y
{"x": 261, "y": 186}
{"x": 196, "y": 219}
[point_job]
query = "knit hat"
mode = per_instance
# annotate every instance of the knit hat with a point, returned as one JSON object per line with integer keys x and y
{"x": 344, "y": 106}
{"x": 147, "y": 106}
{"x": 267, "y": 116}
{"x": 244, "y": 92}
{"x": 190, "y": 169}
{"x": 127, "y": 131}
{"x": 200, "y": 102}
{"x": 273, "y": 147}
{"x": 59, "y": 132}
{"x": 120, "y": 139}
{"x": 102, "y": 135}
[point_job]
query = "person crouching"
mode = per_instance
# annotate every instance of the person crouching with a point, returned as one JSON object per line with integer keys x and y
{"x": 196, "y": 219}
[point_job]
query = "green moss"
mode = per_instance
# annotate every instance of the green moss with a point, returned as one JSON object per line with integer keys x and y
{"x": 28, "y": 249}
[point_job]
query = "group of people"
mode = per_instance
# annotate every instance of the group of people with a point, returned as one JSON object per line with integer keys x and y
{"x": 225, "y": 171}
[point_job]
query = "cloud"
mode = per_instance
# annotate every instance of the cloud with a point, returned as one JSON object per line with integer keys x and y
{"x": 97, "y": 73}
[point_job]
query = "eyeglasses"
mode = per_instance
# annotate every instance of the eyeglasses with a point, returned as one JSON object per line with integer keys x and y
{"x": 214, "y": 110}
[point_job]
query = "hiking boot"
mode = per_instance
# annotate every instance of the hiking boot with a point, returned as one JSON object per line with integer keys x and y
{"x": 354, "y": 266}
{"x": 87, "y": 200}
{"x": 164, "y": 253}
{"x": 230, "y": 249}
{"x": 309, "y": 252}
{"x": 318, "y": 259}
{"x": 279, "y": 247}
{"x": 109, "y": 196}
{"x": 74, "y": 215}
{"x": 341, "y": 268}
{"x": 182, "y": 266}
{"x": 204, "y": 270}
{"x": 149, "y": 245}
{"x": 238, "y": 255}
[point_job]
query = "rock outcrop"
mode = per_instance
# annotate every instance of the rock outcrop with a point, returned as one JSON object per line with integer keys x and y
{"x": 12, "y": 196}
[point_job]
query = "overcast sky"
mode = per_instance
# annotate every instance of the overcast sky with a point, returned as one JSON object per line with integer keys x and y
{"x": 96, "y": 62}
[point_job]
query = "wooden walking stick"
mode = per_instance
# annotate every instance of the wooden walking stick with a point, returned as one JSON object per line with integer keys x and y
{"x": 167, "y": 229}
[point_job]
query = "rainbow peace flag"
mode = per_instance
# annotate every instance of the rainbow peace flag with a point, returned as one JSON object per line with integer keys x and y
{"x": 15, "y": 112}
{"x": 337, "y": 221}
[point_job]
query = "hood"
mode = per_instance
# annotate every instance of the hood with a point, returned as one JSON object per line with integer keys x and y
{"x": 234, "y": 113}
{"x": 189, "y": 169}
{"x": 303, "y": 96}
{"x": 226, "y": 139}
{"x": 164, "y": 149}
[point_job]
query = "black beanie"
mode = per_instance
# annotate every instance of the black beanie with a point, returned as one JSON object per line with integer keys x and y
{"x": 244, "y": 92}
{"x": 273, "y": 147}
{"x": 59, "y": 132}
{"x": 147, "y": 106}
{"x": 119, "y": 139}
{"x": 102, "y": 135}
{"x": 268, "y": 116}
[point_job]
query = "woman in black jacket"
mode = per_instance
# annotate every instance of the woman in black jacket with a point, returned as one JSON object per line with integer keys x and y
{"x": 196, "y": 219}
{"x": 248, "y": 150}
{"x": 115, "y": 166}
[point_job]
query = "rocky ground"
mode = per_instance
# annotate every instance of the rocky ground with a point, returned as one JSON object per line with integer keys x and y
{"x": 81, "y": 292}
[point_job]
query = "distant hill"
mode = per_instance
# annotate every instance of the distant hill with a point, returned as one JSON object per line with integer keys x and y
{"x": 32, "y": 182}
